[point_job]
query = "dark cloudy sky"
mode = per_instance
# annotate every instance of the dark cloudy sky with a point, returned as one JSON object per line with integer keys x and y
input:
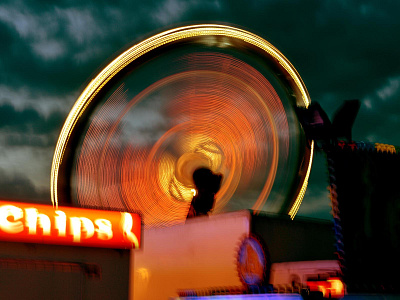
{"x": 48, "y": 53}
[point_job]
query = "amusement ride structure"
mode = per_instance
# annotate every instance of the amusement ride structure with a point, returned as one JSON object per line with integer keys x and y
{"x": 198, "y": 96}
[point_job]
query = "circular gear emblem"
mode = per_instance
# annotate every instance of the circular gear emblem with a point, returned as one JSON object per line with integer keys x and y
{"x": 252, "y": 262}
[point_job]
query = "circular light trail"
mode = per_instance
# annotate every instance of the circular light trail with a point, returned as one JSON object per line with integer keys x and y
{"x": 215, "y": 111}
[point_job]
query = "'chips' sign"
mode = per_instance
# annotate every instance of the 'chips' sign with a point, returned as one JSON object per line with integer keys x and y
{"x": 35, "y": 223}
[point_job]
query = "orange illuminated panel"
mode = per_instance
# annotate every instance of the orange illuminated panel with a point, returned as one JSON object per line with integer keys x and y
{"x": 331, "y": 288}
{"x": 43, "y": 224}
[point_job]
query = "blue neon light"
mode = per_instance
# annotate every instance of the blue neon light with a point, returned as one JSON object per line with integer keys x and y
{"x": 245, "y": 297}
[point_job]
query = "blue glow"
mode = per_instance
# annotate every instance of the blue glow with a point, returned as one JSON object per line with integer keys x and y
{"x": 243, "y": 297}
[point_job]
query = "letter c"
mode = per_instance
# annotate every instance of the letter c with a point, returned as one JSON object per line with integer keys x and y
{"x": 11, "y": 226}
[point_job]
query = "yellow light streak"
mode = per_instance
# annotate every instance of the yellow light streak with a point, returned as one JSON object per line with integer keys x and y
{"x": 296, "y": 205}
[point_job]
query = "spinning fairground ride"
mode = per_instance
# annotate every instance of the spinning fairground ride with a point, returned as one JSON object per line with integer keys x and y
{"x": 197, "y": 96}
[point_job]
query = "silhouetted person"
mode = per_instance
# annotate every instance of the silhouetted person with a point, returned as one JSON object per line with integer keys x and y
{"x": 207, "y": 185}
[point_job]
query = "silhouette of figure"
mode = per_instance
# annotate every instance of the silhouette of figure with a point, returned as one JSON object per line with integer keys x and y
{"x": 207, "y": 185}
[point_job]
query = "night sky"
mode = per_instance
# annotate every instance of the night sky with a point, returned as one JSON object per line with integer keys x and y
{"x": 48, "y": 53}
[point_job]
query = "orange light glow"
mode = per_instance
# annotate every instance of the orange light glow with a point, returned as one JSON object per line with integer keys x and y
{"x": 227, "y": 129}
{"x": 336, "y": 288}
{"x": 331, "y": 288}
{"x": 43, "y": 224}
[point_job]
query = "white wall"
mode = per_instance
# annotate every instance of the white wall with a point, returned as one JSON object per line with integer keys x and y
{"x": 199, "y": 254}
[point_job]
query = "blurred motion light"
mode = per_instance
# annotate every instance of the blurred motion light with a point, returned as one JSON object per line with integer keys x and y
{"x": 196, "y": 96}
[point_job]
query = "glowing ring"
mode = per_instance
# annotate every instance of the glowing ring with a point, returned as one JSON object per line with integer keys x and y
{"x": 152, "y": 43}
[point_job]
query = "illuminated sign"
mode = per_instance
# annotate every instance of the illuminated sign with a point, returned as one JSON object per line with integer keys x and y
{"x": 333, "y": 287}
{"x": 43, "y": 224}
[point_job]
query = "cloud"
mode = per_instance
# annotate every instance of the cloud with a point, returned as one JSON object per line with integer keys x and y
{"x": 44, "y": 30}
{"x": 33, "y": 162}
{"x": 27, "y": 142}
{"x": 43, "y": 45}
{"x": 48, "y": 49}
{"x": 18, "y": 186}
{"x": 27, "y": 128}
{"x": 174, "y": 10}
{"x": 37, "y": 30}
{"x": 367, "y": 102}
{"x": 22, "y": 21}
{"x": 316, "y": 207}
{"x": 45, "y": 104}
{"x": 378, "y": 119}
{"x": 316, "y": 202}
{"x": 81, "y": 25}
{"x": 170, "y": 11}
{"x": 390, "y": 89}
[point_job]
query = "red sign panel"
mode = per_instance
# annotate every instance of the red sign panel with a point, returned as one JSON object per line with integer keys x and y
{"x": 43, "y": 224}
